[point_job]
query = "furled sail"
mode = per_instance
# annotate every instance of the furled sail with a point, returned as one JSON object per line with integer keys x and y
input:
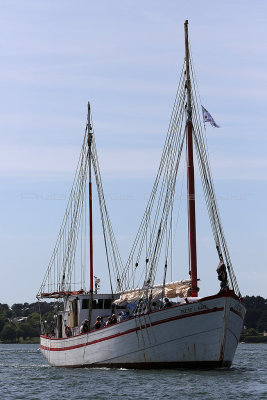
{"x": 170, "y": 290}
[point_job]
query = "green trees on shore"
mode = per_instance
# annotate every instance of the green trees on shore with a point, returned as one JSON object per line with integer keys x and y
{"x": 255, "y": 322}
{"x": 21, "y": 322}
{"x": 256, "y": 315}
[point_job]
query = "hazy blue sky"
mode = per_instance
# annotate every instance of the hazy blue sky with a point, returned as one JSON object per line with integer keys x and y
{"x": 125, "y": 57}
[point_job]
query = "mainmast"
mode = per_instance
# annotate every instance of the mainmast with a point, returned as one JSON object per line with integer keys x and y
{"x": 190, "y": 175}
{"x": 90, "y": 137}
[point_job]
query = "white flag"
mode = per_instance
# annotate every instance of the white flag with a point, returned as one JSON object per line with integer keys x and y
{"x": 208, "y": 118}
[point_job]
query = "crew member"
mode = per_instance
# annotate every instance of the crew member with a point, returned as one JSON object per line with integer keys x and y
{"x": 98, "y": 323}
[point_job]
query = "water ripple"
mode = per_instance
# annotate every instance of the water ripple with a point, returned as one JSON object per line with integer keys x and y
{"x": 25, "y": 375}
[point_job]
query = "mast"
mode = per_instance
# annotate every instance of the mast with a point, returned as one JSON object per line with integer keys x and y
{"x": 190, "y": 175}
{"x": 90, "y": 137}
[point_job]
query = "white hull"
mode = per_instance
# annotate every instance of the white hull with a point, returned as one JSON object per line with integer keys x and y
{"x": 200, "y": 334}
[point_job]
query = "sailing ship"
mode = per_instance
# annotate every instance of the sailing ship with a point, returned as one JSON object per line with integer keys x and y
{"x": 147, "y": 330}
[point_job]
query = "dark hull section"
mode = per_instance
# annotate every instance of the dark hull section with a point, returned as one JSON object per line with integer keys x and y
{"x": 161, "y": 365}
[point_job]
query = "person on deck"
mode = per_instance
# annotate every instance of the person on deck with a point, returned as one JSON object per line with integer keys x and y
{"x": 98, "y": 323}
{"x": 85, "y": 326}
{"x": 167, "y": 303}
{"x": 68, "y": 331}
{"x": 113, "y": 319}
{"x": 108, "y": 323}
{"x": 81, "y": 328}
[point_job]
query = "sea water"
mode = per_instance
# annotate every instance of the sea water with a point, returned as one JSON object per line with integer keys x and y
{"x": 25, "y": 374}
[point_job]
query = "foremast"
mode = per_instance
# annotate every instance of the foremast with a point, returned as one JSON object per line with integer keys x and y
{"x": 190, "y": 175}
{"x": 74, "y": 244}
{"x": 89, "y": 141}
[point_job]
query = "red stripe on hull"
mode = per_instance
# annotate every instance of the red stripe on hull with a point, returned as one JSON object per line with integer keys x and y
{"x": 236, "y": 312}
{"x": 133, "y": 330}
{"x": 229, "y": 293}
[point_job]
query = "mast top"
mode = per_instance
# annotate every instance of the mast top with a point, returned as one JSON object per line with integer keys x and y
{"x": 89, "y": 125}
{"x": 188, "y": 83}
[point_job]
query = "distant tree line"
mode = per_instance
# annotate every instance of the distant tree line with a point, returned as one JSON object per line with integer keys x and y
{"x": 255, "y": 322}
{"x": 21, "y": 322}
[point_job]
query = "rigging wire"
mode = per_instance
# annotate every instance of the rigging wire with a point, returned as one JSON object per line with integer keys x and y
{"x": 156, "y": 226}
{"x": 61, "y": 269}
{"x": 208, "y": 185}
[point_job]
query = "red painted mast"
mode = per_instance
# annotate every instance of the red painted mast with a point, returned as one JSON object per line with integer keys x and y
{"x": 90, "y": 136}
{"x": 190, "y": 176}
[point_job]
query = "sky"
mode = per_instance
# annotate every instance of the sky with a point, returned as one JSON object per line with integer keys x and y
{"x": 125, "y": 57}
